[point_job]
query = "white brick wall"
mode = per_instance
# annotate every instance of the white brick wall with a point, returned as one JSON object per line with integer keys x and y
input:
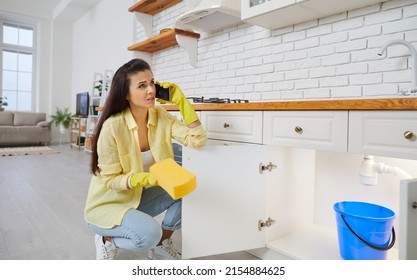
{"x": 332, "y": 57}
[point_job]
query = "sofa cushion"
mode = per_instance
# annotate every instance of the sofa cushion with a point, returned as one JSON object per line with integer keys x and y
{"x": 42, "y": 124}
{"x": 6, "y": 118}
{"x": 23, "y": 135}
{"x": 28, "y": 118}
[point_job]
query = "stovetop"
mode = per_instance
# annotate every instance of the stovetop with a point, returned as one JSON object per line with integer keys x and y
{"x": 216, "y": 100}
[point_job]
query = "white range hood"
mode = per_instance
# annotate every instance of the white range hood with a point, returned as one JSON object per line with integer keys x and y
{"x": 210, "y": 16}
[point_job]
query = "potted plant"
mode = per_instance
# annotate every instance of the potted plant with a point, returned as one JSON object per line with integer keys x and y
{"x": 61, "y": 118}
{"x": 3, "y": 102}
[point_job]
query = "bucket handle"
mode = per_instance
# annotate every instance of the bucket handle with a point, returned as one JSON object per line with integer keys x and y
{"x": 367, "y": 243}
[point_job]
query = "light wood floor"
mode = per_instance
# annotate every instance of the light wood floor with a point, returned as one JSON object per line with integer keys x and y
{"x": 42, "y": 200}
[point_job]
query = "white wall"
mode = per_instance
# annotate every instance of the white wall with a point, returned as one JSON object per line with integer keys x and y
{"x": 101, "y": 38}
{"x": 332, "y": 57}
{"x": 60, "y": 78}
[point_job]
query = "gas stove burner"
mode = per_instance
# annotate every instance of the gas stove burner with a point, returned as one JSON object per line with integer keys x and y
{"x": 216, "y": 100}
{"x": 240, "y": 101}
{"x": 209, "y": 100}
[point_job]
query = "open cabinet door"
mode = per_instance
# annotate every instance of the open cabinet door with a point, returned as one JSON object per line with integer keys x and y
{"x": 408, "y": 220}
{"x": 222, "y": 214}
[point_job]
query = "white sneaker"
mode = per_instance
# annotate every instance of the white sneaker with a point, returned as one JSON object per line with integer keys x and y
{"x": 104, "y": 251}
{"x": 166, "y": 251}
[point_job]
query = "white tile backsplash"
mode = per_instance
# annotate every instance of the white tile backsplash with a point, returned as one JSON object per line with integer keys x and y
{"x": 331, "y": 57}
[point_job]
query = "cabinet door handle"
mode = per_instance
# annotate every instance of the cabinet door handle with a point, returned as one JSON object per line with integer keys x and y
{"x": 408, "y": 135}
{"x": 298, "y": 130}
{"x": 226, "y": 125}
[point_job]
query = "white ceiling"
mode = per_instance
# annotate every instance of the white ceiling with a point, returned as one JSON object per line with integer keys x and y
{"x": 65, "y": 10}
{"x": 40, "y": 4}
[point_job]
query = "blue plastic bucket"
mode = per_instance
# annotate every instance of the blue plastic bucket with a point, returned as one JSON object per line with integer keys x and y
{"x": 365, "y": 231}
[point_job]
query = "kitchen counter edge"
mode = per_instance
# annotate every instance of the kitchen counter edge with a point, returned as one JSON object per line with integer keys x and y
{"x": 328, "y": 104}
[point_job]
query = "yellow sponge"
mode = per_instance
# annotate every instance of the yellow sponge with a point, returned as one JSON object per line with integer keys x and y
{"x": 175, "y": 179}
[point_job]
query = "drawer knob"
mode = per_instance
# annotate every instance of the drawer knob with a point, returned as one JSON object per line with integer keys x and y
{"x": 408, "y": 135}
{"x": 298, "y": 129}
{"x": 226, "y": 125}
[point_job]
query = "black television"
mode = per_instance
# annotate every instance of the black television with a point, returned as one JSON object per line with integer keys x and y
{"x": 83, "y": 101}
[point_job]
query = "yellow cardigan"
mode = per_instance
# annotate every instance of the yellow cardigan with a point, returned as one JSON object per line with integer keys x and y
{"x": 119, "y": 156}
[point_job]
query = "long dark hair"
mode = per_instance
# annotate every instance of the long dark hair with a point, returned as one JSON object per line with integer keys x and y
{"x": 116, "y": 100}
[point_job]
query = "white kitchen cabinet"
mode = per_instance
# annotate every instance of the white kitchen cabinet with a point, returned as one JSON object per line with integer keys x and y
{"x": 212, "y": 220}
{"x": 244, "y": 186}
{"x": 274, "y": 14}
{"x": 383, "y": 133}
{"x": 408, "y": 222}
{"x": 321, "y": 130}
{"x": 233, "y": 197}
{"x": 242, "y": 126}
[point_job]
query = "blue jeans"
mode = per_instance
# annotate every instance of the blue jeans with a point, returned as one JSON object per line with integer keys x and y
{"x": 139, "y": 230}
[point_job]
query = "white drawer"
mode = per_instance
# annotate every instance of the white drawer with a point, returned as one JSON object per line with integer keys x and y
{"x": 241, "y": 126}
{"x": 390, "y": 133}
{"x": 322, "y": 130}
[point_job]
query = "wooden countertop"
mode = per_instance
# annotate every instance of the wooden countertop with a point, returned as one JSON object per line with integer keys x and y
{"x": 406, "y": 103}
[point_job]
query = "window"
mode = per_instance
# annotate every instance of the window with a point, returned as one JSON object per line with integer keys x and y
{"x": 17, "y": 59}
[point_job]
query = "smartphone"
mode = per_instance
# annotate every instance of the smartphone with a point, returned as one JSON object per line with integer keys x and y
{"x": 162, "y": 93}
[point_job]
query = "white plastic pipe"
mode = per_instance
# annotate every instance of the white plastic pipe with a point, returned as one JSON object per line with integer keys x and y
{"x": 383, "y": 168}
{"x": 369, "y": 170}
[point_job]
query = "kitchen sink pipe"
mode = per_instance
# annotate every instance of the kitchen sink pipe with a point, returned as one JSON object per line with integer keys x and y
{"x": 413, "y": 53}
{"x": 369, "y": 169}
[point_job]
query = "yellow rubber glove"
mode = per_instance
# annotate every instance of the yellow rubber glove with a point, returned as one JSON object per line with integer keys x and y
{"x": 178, "y": 98}
{"x": 142, "y": 180}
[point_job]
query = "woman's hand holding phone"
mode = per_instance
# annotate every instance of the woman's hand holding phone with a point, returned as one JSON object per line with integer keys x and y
{"x": 162, "y": 94}
{"x": 177, "y": 97}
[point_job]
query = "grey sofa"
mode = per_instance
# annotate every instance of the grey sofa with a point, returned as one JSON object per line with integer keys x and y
{"x": 23, "y": 128}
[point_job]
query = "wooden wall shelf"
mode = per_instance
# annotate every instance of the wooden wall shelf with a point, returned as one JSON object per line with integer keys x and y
{"x": 152, "y": 7}
{"x": 162, "y": 41}
{"x": 144, "y": 11}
